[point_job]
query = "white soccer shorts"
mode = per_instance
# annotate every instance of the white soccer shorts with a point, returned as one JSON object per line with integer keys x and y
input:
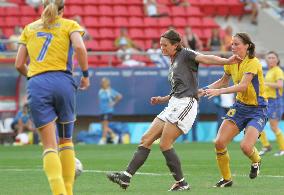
{"x": 180, "y": 111}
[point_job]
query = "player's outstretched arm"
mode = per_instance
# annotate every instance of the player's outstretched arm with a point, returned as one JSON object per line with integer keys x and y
{"x": 21, "y": 60}
{"x": 216, "y": 60}
{"x": 159, "y": 99}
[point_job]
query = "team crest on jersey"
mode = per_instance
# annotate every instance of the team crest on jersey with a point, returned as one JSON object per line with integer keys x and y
{"x": 231, "y": 112}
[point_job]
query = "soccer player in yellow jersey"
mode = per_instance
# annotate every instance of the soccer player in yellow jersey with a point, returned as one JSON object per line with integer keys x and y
{"x": 273, "y": 92}
{"x": 49, "y": 44}
{"x": 249, "y": 113}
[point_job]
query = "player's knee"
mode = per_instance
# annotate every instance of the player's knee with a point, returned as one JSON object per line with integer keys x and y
{"x": 165, "y": 146}
{"x": 146, "y": 141}
{"x": 219, "y": 144}
{"x": 246, "y": 148}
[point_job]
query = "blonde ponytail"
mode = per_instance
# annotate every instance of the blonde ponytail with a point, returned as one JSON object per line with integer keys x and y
{"x": 51, "y": 9}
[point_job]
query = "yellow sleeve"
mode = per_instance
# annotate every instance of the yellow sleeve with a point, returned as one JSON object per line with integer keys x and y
{"x": 278, "y": 75}
{"x": 75, "y": 27}
{"x": 251, "y": 67}
{"x": 23, "y": 37}
{"x": 227, "y": 69}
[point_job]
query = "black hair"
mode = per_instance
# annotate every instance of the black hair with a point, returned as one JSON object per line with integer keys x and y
{"x": 247, "y": 40}
{"x": 174, "y": 37}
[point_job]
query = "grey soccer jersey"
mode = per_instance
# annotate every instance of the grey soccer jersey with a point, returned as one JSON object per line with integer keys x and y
{"x": 183, "y": 74}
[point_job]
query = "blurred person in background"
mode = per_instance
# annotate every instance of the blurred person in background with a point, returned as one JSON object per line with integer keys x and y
{"x": 14, "y": 38}
{"x": 273, "y": 91}
{"x": 249, "y": 112}
{"x": 177, "y": 118}
{"x": 108, "y": 98}
{"x": 123, "y": 37}
{"x": 34, "y": 3}
{"x": 151, "y": 9}
{"x": 3, "y": 37}
{"x": 215, "y": 42}
{"x": 51, "y": 88}
{"x": 155, "y": 54}
{"x": 227, "y": 39}
{"x": 191, "y": 40}
{"x": 184, "y": 3}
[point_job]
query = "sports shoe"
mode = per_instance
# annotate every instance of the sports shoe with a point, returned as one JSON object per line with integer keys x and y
{"x": 116, "y": 177}
{"x": 254, "y": 170}
{"x": 223, "y": 183}
{"x": 102, "y": 141}
{"x": 279, "y": 153}
{"x": 180, "y": 186}
{"x": 265, "y": 150}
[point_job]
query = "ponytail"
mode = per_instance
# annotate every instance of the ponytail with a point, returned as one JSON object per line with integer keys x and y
{"x": 52, "y": 8}
{"x": 251, "y": 50}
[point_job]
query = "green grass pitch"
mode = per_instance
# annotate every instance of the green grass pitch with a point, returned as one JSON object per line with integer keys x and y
{"x": 21, "y": 171}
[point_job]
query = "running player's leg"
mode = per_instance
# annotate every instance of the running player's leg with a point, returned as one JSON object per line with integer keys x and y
{"x": 274, "y": 125}
{"x": 226, "y": 133}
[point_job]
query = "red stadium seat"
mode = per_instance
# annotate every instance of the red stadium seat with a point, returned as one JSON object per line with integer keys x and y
{"x": 2, "y": 11}
{"x": 165, "y": 22}
{"x": 92, "y": 45}
{"x": 13, "y": 11}
{"x": 151, "y": 22}
{"x": 121, "y": 21}
{"x": 26, "y": 20}
{"x": 106, "y": 45}
{"x": 105, "y": 10}
{"x": 2, "y": 22}
{"x": 91, "y": 21}
{"x": 91, "y": 10}
{"x": 136, "y": 22}
{"x": 120, "y": 10}
{"x": 151, "y": 33}
{"x": 11, "y": 21}
{"x": 135, "y": 11}
{"x": 222, "y": 8}
{"x": 75, "y": 10}
{"x": 106, "y": 22}
{"x": 136, "y": 33}
{"x": 178, "y": 11}
{"x": 179, "y": 22}
{"x": 105, "y": 33}
{"x": 193, "y": 12}
{"x": 209, "y": 23}
{"x": 8, "y": 31}
{"x": 194, "y": 22}
{"x": 94, "y": 32}
{"x": 28, "y": 11}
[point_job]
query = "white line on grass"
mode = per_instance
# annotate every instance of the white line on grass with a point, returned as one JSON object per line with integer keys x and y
{"x": 138, "y": 173}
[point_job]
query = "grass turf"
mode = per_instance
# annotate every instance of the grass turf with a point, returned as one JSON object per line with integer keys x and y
{"x": 21, "y": 171}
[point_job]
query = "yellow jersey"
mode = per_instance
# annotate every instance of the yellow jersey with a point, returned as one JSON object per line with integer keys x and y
{"x": 49, "y": 49}
{"x": 254, "y": 94}
{"x": 273, "y": 75}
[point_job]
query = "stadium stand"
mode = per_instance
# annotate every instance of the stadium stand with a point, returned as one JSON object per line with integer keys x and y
{"x": 103, "y": 18}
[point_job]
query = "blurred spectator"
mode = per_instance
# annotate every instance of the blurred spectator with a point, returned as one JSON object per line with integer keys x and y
{"x": 34, "y": 3}
{"x": 227, "y": 39}
{"x": 108, "y": 98}
{"x": 191, "y": 40}
{"x": 215, "y": 42}
{"x": 151, "y": 8}
{"x": 251, "y": 5}
{"x": 2, "y": 38}
{"x": 123, "y": 37}
{"x": 180, "y": 2}
{"x": 13, "y": 45}
{"x": 155, "y": 54}
{"x": 86, "y": 36}
{"x": 24, "y": 127}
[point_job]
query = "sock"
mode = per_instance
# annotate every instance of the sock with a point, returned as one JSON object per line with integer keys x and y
{"x": 254, "y": 157}
{"x": 173, "y": 163}
{"x": 53, "y": 171}
{"x": 138, "y": 159}
{"x": 280, "y": 139}
{"x": 223, "y": 161}
{"x": 263, "y": 139}
{"x": 67, "y": 157}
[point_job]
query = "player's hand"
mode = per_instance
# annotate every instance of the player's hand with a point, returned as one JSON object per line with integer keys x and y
{"x": 212, "y": 93}
{"x": 85, "y": 83}
{"x": 234, "y": 59}
{"x": 157, "y": 100}
{"x": 201, "y": 92}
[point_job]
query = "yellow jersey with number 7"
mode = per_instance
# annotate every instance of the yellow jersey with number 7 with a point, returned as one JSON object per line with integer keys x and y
{"x": 49, "y": 49}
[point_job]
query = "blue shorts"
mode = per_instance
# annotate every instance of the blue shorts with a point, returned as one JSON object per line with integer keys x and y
{"x": 274, "y": 109}
{"x": 244, "y": 116}
{"x": 51, "y": 96}
{"x": 106, "y": 117}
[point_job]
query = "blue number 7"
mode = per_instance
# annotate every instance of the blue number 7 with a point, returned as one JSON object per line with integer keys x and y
{"x": 44, "y": 48}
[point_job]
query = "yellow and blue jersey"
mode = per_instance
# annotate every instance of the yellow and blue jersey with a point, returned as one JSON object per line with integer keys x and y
{"x": 50, "y": 49}
{"x": 254, "y": 94}
{"x": 273, "y": 75}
